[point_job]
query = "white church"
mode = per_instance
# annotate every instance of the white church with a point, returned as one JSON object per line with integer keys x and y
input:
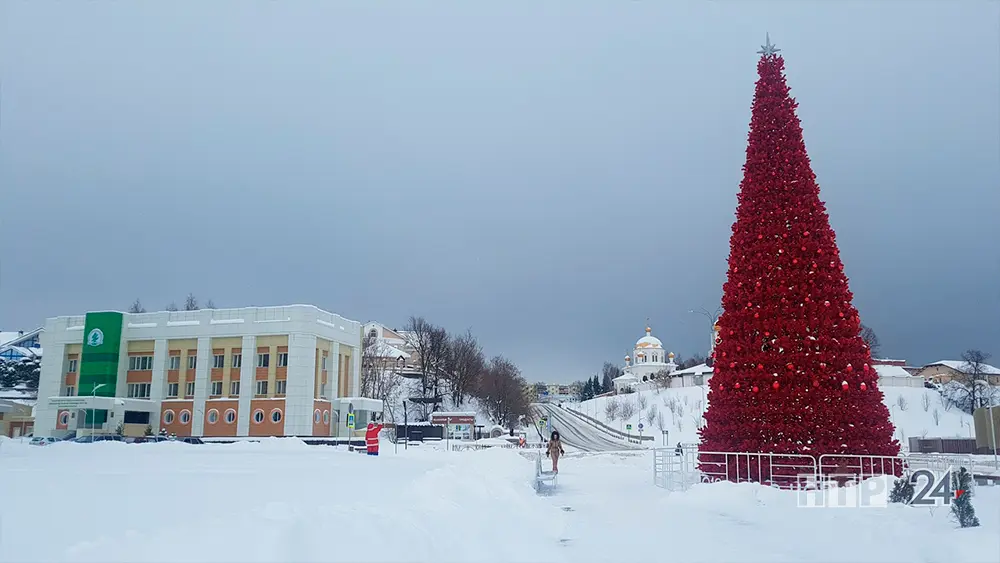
{"x": 650, "y": 362}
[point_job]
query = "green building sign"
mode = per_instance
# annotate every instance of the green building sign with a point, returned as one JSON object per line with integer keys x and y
{"x": 102, "y": 335}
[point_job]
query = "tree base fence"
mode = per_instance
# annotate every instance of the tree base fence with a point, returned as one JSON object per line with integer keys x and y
{"x": 678, "y": 468}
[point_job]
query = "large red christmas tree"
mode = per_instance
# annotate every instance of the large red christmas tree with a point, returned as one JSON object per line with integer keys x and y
{"x": 791, "y": 372}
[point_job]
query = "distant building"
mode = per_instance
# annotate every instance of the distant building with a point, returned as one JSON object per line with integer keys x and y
{"x": 944, "y": 371}
{"x": 20, "y": 345}
{"x": 15, "y": 418}
{"x": 649, "y": 360}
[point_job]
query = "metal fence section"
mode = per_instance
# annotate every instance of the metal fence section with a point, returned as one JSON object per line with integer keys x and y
{"x": 858, "y": 467}
{"x": 780, "y": 470}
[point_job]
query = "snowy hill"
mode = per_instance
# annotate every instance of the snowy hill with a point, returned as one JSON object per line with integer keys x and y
{"x": 915, "y": 412}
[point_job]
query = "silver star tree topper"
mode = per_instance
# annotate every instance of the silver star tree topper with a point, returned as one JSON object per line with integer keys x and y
{"x": 767, "y": 49}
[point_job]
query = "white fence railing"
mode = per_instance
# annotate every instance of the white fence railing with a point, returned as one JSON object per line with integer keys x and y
{"x": 679, "y": 468}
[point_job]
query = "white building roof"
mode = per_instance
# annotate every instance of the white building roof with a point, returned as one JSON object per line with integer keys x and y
{"x": 891, "y": 371}
{"x": 693, "y": 370}
{"x": 626, "y": 377}
{"x": 961, "y": 365}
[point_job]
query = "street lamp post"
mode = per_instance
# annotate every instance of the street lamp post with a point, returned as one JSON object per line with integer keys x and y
{"x": 993, "y": 435}
{"x": 93, "y": 411}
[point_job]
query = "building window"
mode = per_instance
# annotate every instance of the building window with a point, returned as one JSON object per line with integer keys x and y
{"x": 262, "y": 387}
{"x": 213, "y": 416}
{"x": 175, "y": 363}
{"x": 258, "y": 416}
{"x": 185, "y": 416}
{"x": 230, "y": 416}
{"x": 168, "y": 416}
{"x": 70, "y": 391}
{"x": 189, "y": 389}
{"x": 234, "y": 388}
{"x": 172, "y": 389}
{"x": 64, "y": 418}
{"x": 326, "y": 417}
{"x": 283, "y": 360}
{"x": 263, "y": 360}
{"x": 219, "y": 361}
{"x": 324, "y": 363}
{"x": 138, "y": 390}
{"x": 317, "y": 416}
{"x": 237, "y": 360}
{"x": 373, "y": 333}
{"x": 279, "y": 386}
{"x": 276, "y": 416}
{"x": 217, "y": 388}
{"x": 192, "y": 362}
{"x": 140, "y": 363}
{"x": 72, "y": 366}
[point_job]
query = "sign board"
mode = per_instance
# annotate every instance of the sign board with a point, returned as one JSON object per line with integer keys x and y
{"x": 628, "y": 427}
{"x": 640, "y": 427}
{"x": 350, "y": 420}
{"x": 68, "y": 403}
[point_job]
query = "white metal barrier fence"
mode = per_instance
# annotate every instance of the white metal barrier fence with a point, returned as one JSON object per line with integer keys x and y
{"x": 679, "y": 468}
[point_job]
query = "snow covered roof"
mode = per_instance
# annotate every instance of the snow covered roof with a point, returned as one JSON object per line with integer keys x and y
{"x": 891, "y": 371}
{"x": 626, "y": 377}
{"x": 8, "y": 336}
{"x": 693, "y": 370}
{"x": 960, "y": 365}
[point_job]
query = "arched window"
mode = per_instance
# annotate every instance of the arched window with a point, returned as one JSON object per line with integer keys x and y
{"x": 373, "y": 333}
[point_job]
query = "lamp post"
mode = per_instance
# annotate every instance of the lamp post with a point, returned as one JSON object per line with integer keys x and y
{"x": 93, "y": 411}
{"x": 993, "y": 435}
{"x": 406, "y": 425}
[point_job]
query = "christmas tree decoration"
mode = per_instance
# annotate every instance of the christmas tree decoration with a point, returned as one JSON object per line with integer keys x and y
{"x": 797, "y": 376}
{"x": 961, "y": 508}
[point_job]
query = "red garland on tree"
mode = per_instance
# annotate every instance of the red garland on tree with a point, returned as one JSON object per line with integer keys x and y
{"x": 795, "y": 376}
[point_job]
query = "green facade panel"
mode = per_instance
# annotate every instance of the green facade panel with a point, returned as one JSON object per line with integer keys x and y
{"x": 102, "y": 336}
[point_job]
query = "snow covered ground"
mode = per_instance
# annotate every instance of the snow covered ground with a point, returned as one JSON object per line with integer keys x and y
{"x": 280, "y": 500}
{"x": 681, "y": 410}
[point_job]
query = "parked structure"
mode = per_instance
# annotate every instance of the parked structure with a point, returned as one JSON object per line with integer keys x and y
{"x": 257, "y": 371}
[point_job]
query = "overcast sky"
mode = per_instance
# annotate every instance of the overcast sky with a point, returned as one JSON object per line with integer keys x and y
{"x": 546, "y": 174}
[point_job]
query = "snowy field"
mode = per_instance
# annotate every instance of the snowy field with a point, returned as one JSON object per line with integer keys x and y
{"x": 281, "y": 500}
{"x": 915, "y": 412}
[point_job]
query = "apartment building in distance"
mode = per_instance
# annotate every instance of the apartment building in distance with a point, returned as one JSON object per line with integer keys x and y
{"x": 256, "y": 371}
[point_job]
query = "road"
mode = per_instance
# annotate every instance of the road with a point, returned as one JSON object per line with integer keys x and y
{"x": 579, "y": 434}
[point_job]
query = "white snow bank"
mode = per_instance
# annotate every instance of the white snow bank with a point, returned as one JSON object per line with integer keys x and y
{"x": 271, "y": 502}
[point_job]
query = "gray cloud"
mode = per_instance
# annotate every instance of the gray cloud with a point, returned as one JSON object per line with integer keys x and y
{"x": 548, "y": 175}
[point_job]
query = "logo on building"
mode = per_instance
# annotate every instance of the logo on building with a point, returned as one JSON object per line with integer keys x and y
{"x": 95, "y": 338}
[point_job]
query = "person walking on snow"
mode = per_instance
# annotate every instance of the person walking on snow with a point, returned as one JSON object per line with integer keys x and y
{"x": 555, "y": 450}
{"x": 371, "y": 437}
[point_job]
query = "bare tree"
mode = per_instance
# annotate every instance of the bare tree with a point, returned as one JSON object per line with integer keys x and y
{"x": 902, "y": 403}
{"x": 137, "y": 307}
{"x": 501, "y": 392}
{"x": 871, "y": 339}
{"x": 172, "y": 306}
{"x": 612, "y": 409}
{"x": 936, "y": 415}
{"x": 661, "y": 421}
{"x": 379, "y": 376}
{"x": 925, "y": 401}
{"x": 191, "y": 303}
{"x": 627, "y": 410}
{"x": 466, "y": 365}
{"x": 971, "y": 389}
{"x": 651, "y": 415}
{"x": 210, "y": 304}
{"x": 643, "y": 401}
{"x": 430, "y": 342}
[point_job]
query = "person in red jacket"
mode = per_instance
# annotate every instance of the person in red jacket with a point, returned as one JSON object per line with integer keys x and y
{"x": 371, "y": 437}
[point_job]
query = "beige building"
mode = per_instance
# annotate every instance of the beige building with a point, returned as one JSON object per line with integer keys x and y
{"x": 946, "y": 370}
{"x": 15, "y": 419}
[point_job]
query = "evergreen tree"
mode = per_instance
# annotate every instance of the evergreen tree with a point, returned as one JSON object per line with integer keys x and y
{"x": 588, "y": 390}
{"x": 902, "y": 490}
{"x": 792, "y": 373}
{"x": 961, "y": 506}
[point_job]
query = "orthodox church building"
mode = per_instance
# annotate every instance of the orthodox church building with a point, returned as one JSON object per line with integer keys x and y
{"x": 648, "y": 361}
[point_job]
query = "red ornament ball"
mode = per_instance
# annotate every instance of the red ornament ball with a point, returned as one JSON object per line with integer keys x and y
{"x": 737, "y": 385}
{"x": 865, "y": 367}
{"x": 754, "y": 388}
{"x": 850, "y": 367}
{"x": 760, "y": 366}
{"x": 863, "y": 386}
{"x": 790, "y": 366}
{"x": 844, "y": 386}
{"x": 732, "y": 365}
{"x": 775, "y": 385}
{"x": 815, "y": 383}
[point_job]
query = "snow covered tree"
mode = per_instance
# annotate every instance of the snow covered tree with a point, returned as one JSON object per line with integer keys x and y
{"x": 191, "y": 303}
{"x": 961, "y": 506}
{"x": 791, "y": 373}
{"x": 136, "y": 307}
{"x": 902, "y": 490}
